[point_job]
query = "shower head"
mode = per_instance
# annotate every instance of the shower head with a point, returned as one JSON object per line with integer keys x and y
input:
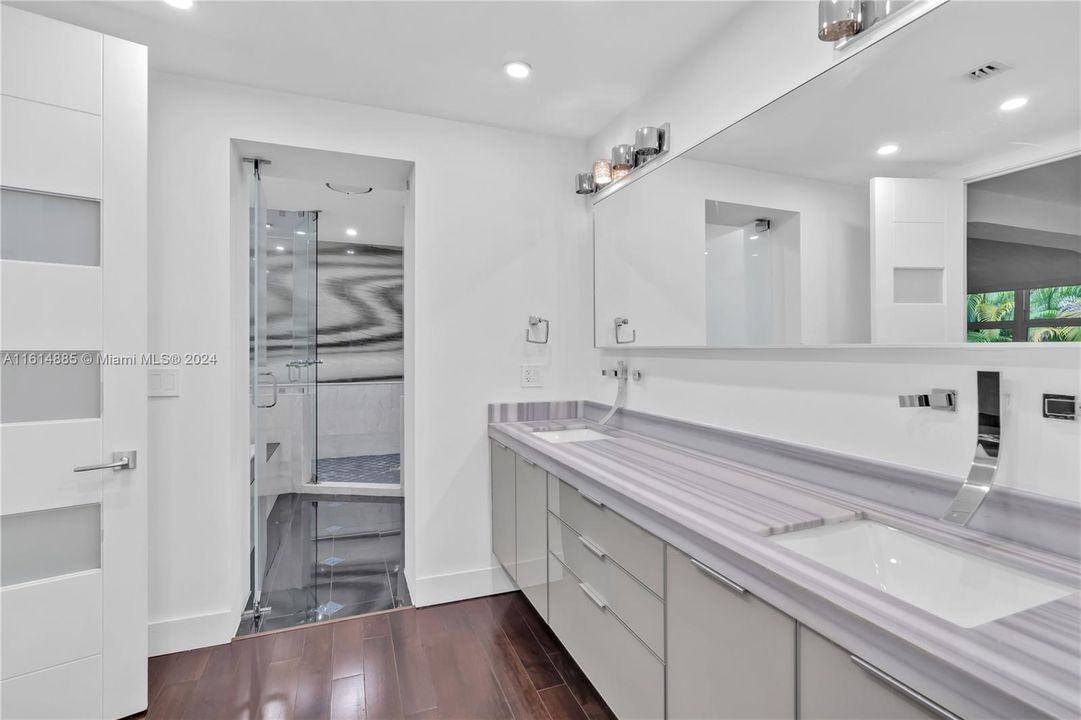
{"x": 349, "y": 189}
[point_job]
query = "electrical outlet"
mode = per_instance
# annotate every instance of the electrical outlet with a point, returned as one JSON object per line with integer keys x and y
{"x": 532, "y": 376}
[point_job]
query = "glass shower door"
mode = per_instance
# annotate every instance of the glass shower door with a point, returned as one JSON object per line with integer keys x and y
{"x": 283, "y": 398}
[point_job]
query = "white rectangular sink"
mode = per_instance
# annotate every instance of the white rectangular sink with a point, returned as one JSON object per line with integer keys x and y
{"x": 571, "y": 435}
{"x": 955, "y": 585}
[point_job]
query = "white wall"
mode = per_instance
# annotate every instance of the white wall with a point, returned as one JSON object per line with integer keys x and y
{"x": 487, "y": 254}
{"x": 841, "y": 398}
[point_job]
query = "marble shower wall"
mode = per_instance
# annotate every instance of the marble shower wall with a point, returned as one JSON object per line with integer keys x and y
{"x": 359, "y": 419}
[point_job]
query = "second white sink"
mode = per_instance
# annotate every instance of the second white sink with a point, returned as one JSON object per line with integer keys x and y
{"x": 571, "y": 435}
{"x": 958, "y": 586}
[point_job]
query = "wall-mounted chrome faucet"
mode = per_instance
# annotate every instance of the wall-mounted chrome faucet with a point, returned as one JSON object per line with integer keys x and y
{"x": 981, "y": 475}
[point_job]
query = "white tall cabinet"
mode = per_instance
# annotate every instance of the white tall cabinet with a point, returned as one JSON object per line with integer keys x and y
{"x": 73, "y": 295}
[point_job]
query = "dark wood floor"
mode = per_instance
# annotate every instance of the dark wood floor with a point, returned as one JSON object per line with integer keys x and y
{"x": 485, "y": 658}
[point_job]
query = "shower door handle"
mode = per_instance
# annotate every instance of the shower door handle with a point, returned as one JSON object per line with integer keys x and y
{"x": 275, "y": 395}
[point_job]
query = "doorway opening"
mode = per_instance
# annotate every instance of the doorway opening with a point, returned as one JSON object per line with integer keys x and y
{"x": 326, "y": 349}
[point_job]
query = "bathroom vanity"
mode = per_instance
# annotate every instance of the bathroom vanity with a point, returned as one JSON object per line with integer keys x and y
{"x": 712, "y": 575}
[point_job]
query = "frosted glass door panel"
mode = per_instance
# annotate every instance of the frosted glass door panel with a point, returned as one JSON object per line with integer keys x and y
{"x": 34, "y": 393}
{"x": 44, "y": 544}
{"x": 49, "y": 228}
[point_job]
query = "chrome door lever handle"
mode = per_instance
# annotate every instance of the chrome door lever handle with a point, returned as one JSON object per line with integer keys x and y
{"x": 123, "y": 460}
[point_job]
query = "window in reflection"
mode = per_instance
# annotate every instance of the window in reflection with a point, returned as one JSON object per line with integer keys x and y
{"x": 1024, "y": 255}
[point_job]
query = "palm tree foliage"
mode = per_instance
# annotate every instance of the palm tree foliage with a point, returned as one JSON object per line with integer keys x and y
{"x": 991, "y": 306}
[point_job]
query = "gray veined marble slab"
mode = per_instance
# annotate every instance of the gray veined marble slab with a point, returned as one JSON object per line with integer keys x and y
{"x": 1023, "y": 665}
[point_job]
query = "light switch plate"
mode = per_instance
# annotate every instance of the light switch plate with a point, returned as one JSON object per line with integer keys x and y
{"x": 163, "y": 382}
{"x": 532, "y": 376}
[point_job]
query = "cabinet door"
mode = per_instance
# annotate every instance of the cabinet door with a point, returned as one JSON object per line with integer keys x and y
{"x": 834, "y": 687}
{"x": 531, "y": 533}
{"x": 503, "y": 515}
{"x": 730, "y": 655}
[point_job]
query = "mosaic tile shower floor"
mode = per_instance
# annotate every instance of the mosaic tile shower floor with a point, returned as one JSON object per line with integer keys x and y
{"x": 382, "y": 469}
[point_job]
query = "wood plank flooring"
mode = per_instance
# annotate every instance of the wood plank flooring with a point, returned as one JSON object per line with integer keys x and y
{"x": 489, "y": 657}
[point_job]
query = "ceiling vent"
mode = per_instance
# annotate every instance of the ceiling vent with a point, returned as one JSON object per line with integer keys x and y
{"x": 988, "y": 70}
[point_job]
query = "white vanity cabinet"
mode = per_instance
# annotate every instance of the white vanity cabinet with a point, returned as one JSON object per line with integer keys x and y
{"x": 835, "y": 686}
{"x": 729, "y": 655}
{"x": 503, "y": 505}
{"x": 530, "y": 533}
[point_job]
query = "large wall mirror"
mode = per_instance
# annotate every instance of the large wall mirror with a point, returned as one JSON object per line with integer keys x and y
{"x": 926, "y": 190}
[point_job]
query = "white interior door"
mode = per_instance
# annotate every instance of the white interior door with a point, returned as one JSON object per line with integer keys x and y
{"x": 73, "y": 381}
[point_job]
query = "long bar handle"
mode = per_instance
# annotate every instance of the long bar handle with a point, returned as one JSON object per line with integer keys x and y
{"x": 589, "y": 499}
{"x": 718, "y": 577}
{"x": 124, "y": 460}
{"x": 594, "y": 596}
{"x": 592, "y": 546}
{"x": 904, "y": 690}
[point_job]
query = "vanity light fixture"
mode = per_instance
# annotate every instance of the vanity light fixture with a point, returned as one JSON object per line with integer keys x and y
{"x": 888, "y": 149}
{"x": 351, "y": 232}
{"x": 1014, "y": 103}
{"x": 602, "y": 172}
{"x": 518, "y": 69}
{"x": 650, "y": 143}
{"x": 180, "y": 4}
{"x": 350, "y": 252}
{"x": 279, "y": 248}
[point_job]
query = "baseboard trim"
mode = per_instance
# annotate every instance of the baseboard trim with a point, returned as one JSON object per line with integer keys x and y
{"x": 437, "y": 589}
{"x": 188, "y": 633}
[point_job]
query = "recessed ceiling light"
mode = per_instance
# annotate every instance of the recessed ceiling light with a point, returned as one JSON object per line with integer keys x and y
{"x": 754, "y": 237}
{"x": 518, "y": 70}
{"x": 301, "y": 232}
{"x": 180, "y": 4}
{"x": 888, "y": 149}
{"x": 1014, "y": 103}
{"x": 279, "y": 248}
{"x": 351, "y": 232}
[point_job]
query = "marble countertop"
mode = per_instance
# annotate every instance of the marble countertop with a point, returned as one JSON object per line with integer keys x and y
{"x": 1024, "y": 665}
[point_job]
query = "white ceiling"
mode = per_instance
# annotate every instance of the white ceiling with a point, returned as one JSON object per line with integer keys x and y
{"x": 296, "y": 179}
{"x": 590, "y": 59}
{"x": 911, "y": 89}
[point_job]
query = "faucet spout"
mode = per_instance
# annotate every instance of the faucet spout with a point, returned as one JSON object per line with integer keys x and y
{"x": 621, "y": 393}
{"x": 981, "y": 475}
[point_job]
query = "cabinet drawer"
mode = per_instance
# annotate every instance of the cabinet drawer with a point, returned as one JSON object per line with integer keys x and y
{"x": 640, "y": 554}
{"x": 626, "y": 674}
{"x": 833, "y": 686}
{"x": 637, "y": 607}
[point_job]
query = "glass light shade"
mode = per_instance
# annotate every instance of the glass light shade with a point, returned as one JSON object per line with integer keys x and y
{"x": 583, "y": 184}
{"x": 602, "y": 172}
{"x": 647, "y": 140}
{"x": 838, "y": 19}
{"x": 619, "y": 173}
{"x": 622, "y": 157}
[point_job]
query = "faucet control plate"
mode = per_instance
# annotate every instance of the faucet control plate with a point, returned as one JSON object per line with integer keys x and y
{"x": 1060, "y": 407}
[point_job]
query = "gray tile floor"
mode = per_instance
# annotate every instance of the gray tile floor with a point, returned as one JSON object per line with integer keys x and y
{"x": 361, "y": 468}
{"x": 331, "y": 556}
